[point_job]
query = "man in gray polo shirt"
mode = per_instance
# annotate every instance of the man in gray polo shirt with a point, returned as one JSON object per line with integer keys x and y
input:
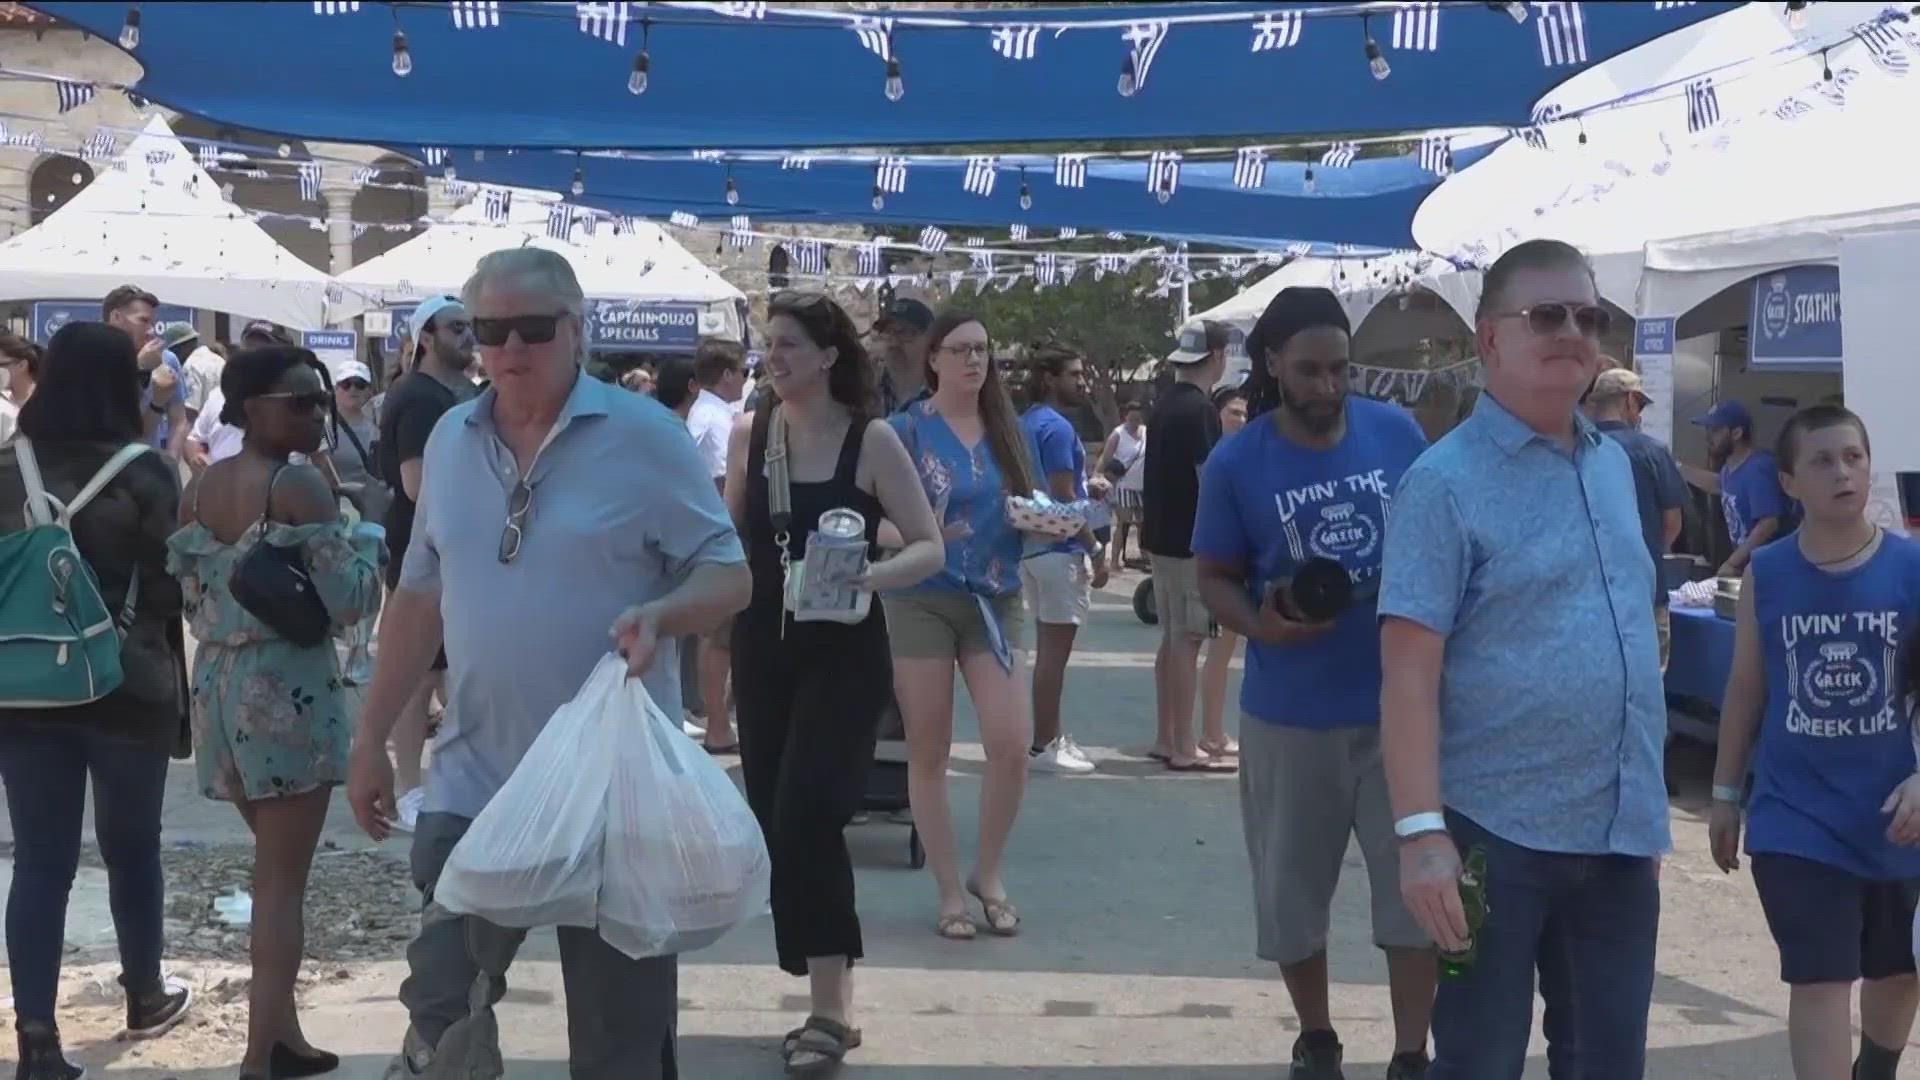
{"x": 532, "y": 549}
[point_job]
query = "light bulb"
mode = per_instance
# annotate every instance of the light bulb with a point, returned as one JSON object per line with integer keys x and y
{"x": 1518, "y": 11}
{"x": 1307, "y": 181}
{"x": 286, "y": 150}
{"x": 1163, "y": 194}
{"x": 447, "y": 173}
{"x": 879, "y": 200}
{"x": 1796, "y": 15}
{"x": 1026, "y": 197}
{"x": 896, "y": 86}
{"x": 402, "y": 59}
{"x": 579, "y": 185}
{"x": 1583, "y": 135}
{"x": 733, "y": 193}
{"x": 1377, "y": 60}
{"x": 130, "y": 30}
{"x": 637, "y": 82}
{"x": 1129, "y": 82}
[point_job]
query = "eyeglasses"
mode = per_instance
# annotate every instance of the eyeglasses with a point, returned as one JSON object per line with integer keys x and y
{"x": 353, "y": 384}
{"x": 303, "y": 401}
{"x": 970, "y": 351}
{"x": 1546, "y": 319}
{"x": 455, "y": 327}
{"x": 518, "y": 505}
{"x": 533, "y": 329}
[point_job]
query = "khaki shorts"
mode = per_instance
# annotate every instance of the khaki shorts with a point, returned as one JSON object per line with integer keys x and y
{"x": 1058, "y": 586}
{"x": 1304, "y": 794}
{"x": 946, "y": 625}
{"x": 1663, "y": 623}
{"x": 1176, "y": 595}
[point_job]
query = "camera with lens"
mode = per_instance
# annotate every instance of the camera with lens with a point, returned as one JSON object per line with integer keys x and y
{"x": 1318, "y": 592}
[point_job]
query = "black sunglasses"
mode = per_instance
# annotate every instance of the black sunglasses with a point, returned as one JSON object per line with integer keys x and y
{"x": 1545, "y": 319}
{"x": 304, "y": 401}
{"x": 355, "y": 384}
{"x": 533, "y": 329}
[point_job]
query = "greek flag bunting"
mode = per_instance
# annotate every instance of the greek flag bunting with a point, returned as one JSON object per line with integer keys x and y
{"x": 1670, "y": 5}
{"x": 606, "y": 21}
{"x": 867, "y": 260}
{"x": 683, "y": 219}
{"x": 335, "y": 7}
{"x": 364, "y": 175}
{"x": 876, "y": 36}
{"x": 1068, "y": 232}
{"x": 1250, "y": 167}
{"x": 1070, "y": 171}
{"x": 981, "y": 172}
{"x": 1416, "y": 27}
{"x": 980, "y": 261}
{"x": 1299, "y": 249}
{"x": 976, "y": 241}
{"x": 1536, "y": 134}
{"x": 1115, "y": 235}
{"x": 475, "y": 14}
{"x": 310, "y": 181}
{"x": 434, "y": 155}
{"x": 72, "y": 95}
{"x": 209, "y": 156}
{"x": 497, "y": 204}
{"x": 1163, "y": 172}
{"x": 99, "y": 146}
{"x": 1885, "y": 47}
{"x": 740, "y": 232}
{"x": 809, "y": 257}
{"x": 1046, "y": 269}
{"x": 1562, "y": 30}
{"x": 890, "y": 175}
{"x": 1016, "y": 42}
{"x": 743, "y": 9}
{"x": 1277, "y": 30}
{"x": 1340, "y": 155}
{"x": 1436, "y": 155}
{"x": 1143, "y": 44}
{"x": 560, "y": 220}
{"x": 1703, "y": 104}
{"x": 1068, "y": 268}
{"x": 1017, "y": 232}
{"x": 933, "y": 239}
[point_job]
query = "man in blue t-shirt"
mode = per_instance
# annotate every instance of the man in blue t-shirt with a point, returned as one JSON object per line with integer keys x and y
{"x": 1310, "y": 479}
{"x": 130, "y": 310}
{"x": 1614, "y": 405}
{"x": 1059, "y": 580}
{"x": 1747, "y": 481}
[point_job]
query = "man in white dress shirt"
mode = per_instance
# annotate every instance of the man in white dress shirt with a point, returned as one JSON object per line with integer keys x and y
{"x": 720, "y": 374}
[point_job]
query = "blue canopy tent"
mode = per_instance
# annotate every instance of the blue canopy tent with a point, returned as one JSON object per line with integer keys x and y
{"x": 1369, "y": 202}
{"x": 743, "y": 75}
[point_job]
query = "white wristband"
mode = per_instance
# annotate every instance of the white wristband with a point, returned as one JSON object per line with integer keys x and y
{"x": 1416, "y": 824}
{"x": 1728, "y": 793}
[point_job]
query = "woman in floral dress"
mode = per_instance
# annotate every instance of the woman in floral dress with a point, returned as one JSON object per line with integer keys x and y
{"x": 271, "y": 723}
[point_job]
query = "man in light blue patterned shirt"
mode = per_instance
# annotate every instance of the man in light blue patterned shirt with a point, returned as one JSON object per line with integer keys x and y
{"x": 1523, "y": 714}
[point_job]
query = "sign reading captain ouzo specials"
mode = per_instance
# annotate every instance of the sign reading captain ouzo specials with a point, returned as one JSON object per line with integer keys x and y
{"x": 1796, "y": 318}
{"x": 614, "y": 324}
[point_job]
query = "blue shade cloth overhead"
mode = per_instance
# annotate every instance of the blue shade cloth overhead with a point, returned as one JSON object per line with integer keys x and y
{"x": 1370, "y": 202}
{"x": 546, "y": 75}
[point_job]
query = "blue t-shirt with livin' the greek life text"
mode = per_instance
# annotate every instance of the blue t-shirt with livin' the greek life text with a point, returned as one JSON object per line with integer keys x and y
{"x": 1269, "y": 504}
{"x": 1835, "y": 739}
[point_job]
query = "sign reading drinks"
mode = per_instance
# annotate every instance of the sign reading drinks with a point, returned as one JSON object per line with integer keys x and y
{"x": 1796, "y": 318}
{"x": 50, "y": 315}
{"x": 618, "y": 324}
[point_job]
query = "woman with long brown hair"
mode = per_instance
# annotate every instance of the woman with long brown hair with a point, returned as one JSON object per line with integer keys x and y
{"x": 971, "y": 454}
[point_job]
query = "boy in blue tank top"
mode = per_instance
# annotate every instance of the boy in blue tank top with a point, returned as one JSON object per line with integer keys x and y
{"x": 1828, "y": 619}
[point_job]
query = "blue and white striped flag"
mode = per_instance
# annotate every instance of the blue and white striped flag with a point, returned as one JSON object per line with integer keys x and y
{"x": 72, "y": 95}
{"x": 1436, "y": 155}
{"x": 1299, "y": 249}
{"x": 310, "y": 181}
{"x": 980, "y": 176}
{"x": 1885, "y": 47}
{"x": 876, "y": 35}
{"x": 1163, "y": 172}
{"x": 867, "y": 262}
{"x": 1535, "y": 135}
{"x": 1277, "y": 30}
{"x": 335, "y": 7}
{"x": 1340, "y": 155}
{"x": 606, "y": 21}
{"x": 683, "y": 219}
{"x": 1070, "y": 171}
{"x": 1046, "y": 268}
{"x": 1143, "y": 44}
{"x": 809, "y": 257}
{"x": 890, "y": 175}
{"x": 1114, "y": 234}
{"x": 796, "y": 161}
{"x": 976, "y": 241}
{"x": 560, "y": 220}
{"x": 364, "y": 175}
{"x": 743, "y": 9}
{"x": 980, "y": 261}
{"x": 209, "y": 156}
{"x": 1068, "y": 232}
{"x": 1703, "y": 104}
{"x": 1017, "y": 42}
{"x": 497, "y": 204}
{"x": 933, "y": 239}
{"x": 1562, "y": 30}
{"x": 1416, "y": 28}
{"x": 1017, "y": 232}
{"x": 475, "y": 14}
{"x": 740, "y": 233}
{"x": 1250, "y": 167}
{"x": 433, "y": 155}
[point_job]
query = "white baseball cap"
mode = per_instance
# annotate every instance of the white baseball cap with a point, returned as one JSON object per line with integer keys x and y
{"x": 351, "y": 369}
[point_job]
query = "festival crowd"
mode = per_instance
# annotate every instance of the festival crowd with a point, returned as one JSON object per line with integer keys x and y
{"x": 1454, "y": 651}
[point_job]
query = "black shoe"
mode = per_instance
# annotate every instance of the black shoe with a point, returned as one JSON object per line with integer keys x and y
{"x": 153, "y": 1014}
{"x": 1412, "y": 1065}
{"x": 41, "y": 1057}
{"x": 288, "y": 1063}
{"x": 1317, "y": 1056}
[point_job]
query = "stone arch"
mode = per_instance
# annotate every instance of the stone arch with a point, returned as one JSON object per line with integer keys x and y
{"x": 396, "y": 194}
{"x": 778, "y": 263}
{"x": 268, "y": 182}
{"x": 54, "y": 182}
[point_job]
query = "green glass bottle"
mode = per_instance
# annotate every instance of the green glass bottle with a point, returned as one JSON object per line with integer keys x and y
{"x": 1473, "y": 899}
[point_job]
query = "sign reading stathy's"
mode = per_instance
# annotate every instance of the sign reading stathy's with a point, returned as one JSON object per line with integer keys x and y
{"x": 1796, "y": 318}
{"x": 50, "y": 315}
{"x": 615, "y": 324}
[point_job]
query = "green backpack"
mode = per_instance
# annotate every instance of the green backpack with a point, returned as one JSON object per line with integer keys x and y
{"x": 59, "y": 641}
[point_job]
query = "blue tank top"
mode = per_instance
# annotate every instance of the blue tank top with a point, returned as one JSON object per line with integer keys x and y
{"x": 1835, "y": 739}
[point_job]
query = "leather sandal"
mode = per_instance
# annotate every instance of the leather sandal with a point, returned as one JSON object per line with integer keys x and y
{"x": 825, "y": 1041}
{"x": 956, "y": 926}
{"x": 1003, "y": 919}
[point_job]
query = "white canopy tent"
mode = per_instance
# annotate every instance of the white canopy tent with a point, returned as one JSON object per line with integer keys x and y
{"x": 1684, "y": 272}
{"x": 153, "y": 218}
{"x": 643, "y": 265}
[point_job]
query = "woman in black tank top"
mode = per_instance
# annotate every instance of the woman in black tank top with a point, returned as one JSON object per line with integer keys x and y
{"x": 810, "y": 693}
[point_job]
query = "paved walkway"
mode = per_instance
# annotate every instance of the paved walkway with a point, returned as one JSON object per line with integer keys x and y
{"x": 1136, "y": 961}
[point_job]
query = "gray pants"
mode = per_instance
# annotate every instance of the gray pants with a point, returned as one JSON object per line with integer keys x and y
{"x": 620, "y": 1011}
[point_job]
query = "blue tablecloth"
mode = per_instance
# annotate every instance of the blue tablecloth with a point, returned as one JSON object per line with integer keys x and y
{"x": 1702, "y": 655}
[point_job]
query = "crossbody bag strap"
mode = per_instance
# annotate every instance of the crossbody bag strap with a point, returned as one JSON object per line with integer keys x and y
{"x": 779, "y": 492}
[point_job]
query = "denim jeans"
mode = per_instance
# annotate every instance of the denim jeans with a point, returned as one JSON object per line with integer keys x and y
{"x": 1595, "y": 919}
{"x": 45, "y": 771}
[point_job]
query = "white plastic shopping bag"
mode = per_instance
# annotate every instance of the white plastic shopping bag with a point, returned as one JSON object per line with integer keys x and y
{"x": 533, "y": 856}
{"x": 685, "y": 859}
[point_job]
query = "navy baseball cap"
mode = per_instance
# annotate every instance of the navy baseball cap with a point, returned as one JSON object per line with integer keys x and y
{"x": 906, "y": 311}
{"x": 1727, "y": 414}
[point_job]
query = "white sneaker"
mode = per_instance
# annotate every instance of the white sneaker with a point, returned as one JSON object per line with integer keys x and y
{"x": 414, "y": 1059}
{"x": 1060, "y": 756}
{"x": 694, "y": 731}
{"x": 409, "y": 809}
